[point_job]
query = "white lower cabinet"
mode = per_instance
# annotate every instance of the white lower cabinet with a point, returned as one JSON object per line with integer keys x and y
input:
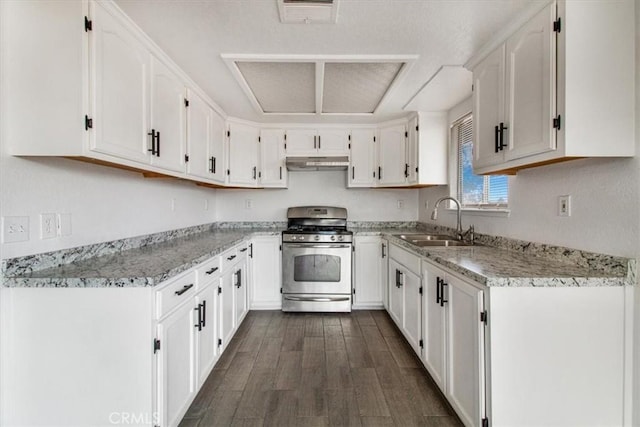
{"x": 369, "y": 275}
{"x": 176, "y": 364}
{"x": 265, "y": 266}
{"x": 405, "y": 301}
{"x": 454, "y": 334}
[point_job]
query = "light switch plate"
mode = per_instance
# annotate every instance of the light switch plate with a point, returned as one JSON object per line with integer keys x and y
{"x": 48, "y": 226}
{"x": 564, "y": 205}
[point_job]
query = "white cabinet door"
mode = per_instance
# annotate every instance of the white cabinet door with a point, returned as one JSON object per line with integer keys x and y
{"x": 412, "y": 313}
{"x": 362, "y": 168}
{"x": 207, "y": 337}
{"x": 167, "y": 117}
{"x": 176, "y": 364}
{"x": 391, "y": 156}
{"x": 120, "y": 71}
{"x": 226, "y": 305}
{"x": 333, "y": 142}
{"x": 396, "y": 295}
{"x": 217, "y": 147}
{"x": 266, "y": 273}
{"x": 434, "y": 324}
{"x": 413, "y": 151}
{"x": 384, "y": 250}
{"x": 240, "y": 292}
{"x": 243, "y": 155}
{"x": 302, "y": 142}
{"x": 199, "y": 116}
{"x": 368, "y": 278}
{"x": 465, "y": 350}
{"x": 273, "y": 171}
{"x": 530, "y": 89}
{"x": 488, "y": 109}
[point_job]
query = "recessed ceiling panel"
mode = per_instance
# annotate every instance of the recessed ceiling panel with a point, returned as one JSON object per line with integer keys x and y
{"x": 356, "y": 87}
{"x": 281, "y": 87}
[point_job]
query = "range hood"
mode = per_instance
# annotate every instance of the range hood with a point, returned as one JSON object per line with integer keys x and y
{"x": 317, "y": 163}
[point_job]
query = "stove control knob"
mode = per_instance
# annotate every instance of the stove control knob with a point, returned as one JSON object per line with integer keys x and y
{"x": 333, "y": 237}
{"x": 317, "y": 237}
{"x": 301, "y": 237}
{"x": 294, "y": 238}
{"x": 340, "y": 238}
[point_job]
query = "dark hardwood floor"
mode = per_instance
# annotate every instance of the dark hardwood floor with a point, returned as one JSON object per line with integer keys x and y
{"x": 302, "y": 369}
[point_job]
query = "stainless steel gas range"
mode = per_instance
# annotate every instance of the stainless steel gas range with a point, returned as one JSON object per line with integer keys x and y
{"x": 316, "y": 260}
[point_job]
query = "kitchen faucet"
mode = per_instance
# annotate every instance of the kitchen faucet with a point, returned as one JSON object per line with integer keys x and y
{"x": 459, "y": 233}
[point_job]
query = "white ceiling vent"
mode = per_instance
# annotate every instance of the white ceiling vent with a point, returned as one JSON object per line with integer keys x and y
{"x": 319, "y": 85}
{"x": 308, "y": 11}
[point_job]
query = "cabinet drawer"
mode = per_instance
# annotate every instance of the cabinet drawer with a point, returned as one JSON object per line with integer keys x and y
{"x": 409, "y": 260}
{"x": 174, "y": 293}
{"x": 228, "y": 258}
{"x": 207, "y": 272}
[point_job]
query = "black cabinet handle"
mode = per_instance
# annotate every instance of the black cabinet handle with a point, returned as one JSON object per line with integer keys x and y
{"x": 315, "y": 138}
{"x": 319, "y": 142}
{"x": 199, "y": 324}
{"x": 438, "y": 292}
{"x": 254, "y": 172}
{"x": 231, "y": 257}
{"x": 280, "y": 172}
{"x": 442, "y": 300}
{"x": 497, "y": 139}
{"x": 250, "y": 250}
{"x": 211, "y": 271}
{"x": 353, "y": 172}
{"x": 204, "y": 313}
{"x": 406, "y": 170}
{"x": 383, "y": 250}
{"x": 152, "y": 134}
{"x": 158, "y": 143}
{"x": 238, "y": 279}
{"x": 214, "y": 165}
{"x": 502, "y": 145}
{"x": 379, "y": 173}
{"x": 184, "y": 289}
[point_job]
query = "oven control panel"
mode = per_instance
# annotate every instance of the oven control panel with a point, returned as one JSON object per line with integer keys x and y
{"x": 317, "y": 238}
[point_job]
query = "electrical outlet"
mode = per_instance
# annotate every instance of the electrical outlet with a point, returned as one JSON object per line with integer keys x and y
{"x": 48, "y": 226}
{"x": 400, "y": 203}
{"x": 564, "y": 205}
{"x": 248, "y": 204}
{"x": 15, "y": 229}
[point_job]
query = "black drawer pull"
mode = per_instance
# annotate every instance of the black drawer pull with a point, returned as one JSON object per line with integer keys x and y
{"x": 211, "y": 271}
{"x": 231, "y": 257}
{"x": 243, "y": 250}
{"x": 184, "y": 289}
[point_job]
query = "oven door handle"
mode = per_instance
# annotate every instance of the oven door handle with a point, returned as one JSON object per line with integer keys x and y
{"x": 337, "y": 246}
{"x": 316, "y": 299}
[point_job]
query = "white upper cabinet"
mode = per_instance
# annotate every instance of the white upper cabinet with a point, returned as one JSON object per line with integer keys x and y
{"x": 392, "y": 166}
{"x": 542, "y": 95}
{"x": 243, "y": 155}
{"x": 120, "y": 75}
{"x": 362, "y": 166}
{"x": 205, "y": 141}
{"x": 314, "y": 142}
{"x": 426, "y": 157}
{"x": 168, "y": 104}
{"x": 273, "y": 171}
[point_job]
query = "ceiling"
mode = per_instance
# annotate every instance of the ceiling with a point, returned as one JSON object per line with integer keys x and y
{"x": 437, "y": 33}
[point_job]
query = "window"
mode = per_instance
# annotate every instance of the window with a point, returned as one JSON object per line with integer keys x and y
{"x": 476, "y": 191}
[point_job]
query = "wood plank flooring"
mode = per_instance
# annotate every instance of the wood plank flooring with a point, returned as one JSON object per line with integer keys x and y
{"x": 303, "y": 369}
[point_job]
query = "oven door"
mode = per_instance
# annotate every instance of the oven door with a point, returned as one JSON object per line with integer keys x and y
{"x": 322, "y": 268}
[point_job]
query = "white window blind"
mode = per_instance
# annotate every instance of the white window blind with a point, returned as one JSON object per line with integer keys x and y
{"x": 476, "y": 191}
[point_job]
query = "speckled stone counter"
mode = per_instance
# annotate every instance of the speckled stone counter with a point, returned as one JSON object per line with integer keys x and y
{"x": 146, "y": 265}
{"x": 150, "y": 260}
{"x": 498, "y": 261}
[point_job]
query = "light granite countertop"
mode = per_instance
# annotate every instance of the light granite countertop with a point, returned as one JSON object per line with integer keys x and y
{"x": 522, "y": 264}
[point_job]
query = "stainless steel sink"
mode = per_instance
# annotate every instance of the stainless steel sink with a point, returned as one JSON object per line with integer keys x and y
{"x": 419, "y": 237}
{"x": 423, "y": 243}
{"x": 431, "y": 240}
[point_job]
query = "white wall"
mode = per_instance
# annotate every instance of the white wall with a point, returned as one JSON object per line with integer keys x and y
{"x": 636, "y": 176}
{"x": 318, "y": 188}
{"x": 104, "y": 203}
